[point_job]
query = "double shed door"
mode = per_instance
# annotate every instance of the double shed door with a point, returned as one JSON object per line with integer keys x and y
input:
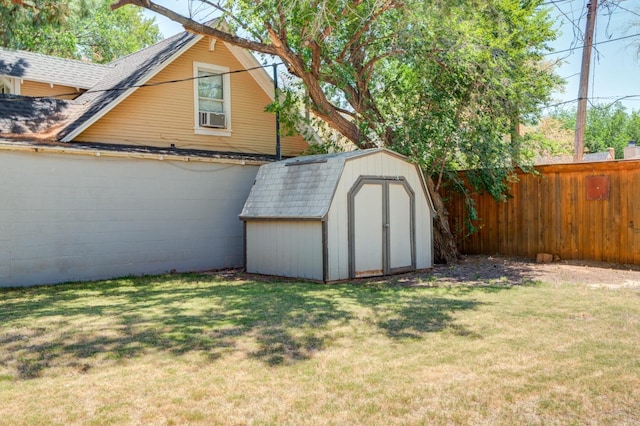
{"x": 381, "y": 227}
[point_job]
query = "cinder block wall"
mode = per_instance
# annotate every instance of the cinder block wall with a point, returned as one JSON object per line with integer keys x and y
{"x": 78, "y": 217}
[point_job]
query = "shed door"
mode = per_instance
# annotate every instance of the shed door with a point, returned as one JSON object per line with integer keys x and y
{"x": 368, "y": 232}
{"x": 381, "y": 227}
{"x": 400, "y": 206}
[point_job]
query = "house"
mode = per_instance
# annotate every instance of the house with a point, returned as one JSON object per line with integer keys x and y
{"x": 139, "y": 166}
{"x": 594, "y": 157}
{"x": 339, "y": 216}
{"x": 631, "y": 151}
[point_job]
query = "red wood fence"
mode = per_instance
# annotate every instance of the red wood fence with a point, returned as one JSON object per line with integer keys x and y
{"x": 588, "y": 211}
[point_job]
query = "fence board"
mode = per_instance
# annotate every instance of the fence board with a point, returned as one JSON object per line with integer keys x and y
{"x": 634, "y": 222}
{"x": 549, "y": 212}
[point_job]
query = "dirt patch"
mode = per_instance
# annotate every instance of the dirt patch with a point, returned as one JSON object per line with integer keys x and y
{"x": 497, "y": 270}
{"x": 517, "y": 271}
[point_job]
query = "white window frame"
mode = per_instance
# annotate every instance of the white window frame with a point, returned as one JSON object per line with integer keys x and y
{"x": 12, "y": 83}
{"x": 226, "y": 98}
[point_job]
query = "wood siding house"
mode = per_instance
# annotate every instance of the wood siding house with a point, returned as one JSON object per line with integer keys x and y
{"x": 135, "y": 167}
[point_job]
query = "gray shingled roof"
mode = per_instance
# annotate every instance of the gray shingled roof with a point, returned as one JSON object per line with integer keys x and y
{"x": 568, "y": 159}
{"x": 128, "y": 71}
{"x": 37, "y": 117}
{"x": 596, "y": 156}
{"x": 105, "y": 82}
{"x": 300, "y": 188}
{"x": 49, "y": 69}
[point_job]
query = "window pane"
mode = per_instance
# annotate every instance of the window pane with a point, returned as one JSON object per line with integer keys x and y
{"x": 210, "y": 86}
{"x": 209, "y": 105}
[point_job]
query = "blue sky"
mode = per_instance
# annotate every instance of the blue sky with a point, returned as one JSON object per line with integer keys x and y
{"x": 615, "y": 64}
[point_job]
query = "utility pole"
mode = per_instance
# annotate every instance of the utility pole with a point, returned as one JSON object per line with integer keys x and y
{"x": 583, "y": 90}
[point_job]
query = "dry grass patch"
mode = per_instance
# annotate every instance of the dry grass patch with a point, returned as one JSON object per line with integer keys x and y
{"x": 210, "y": 349}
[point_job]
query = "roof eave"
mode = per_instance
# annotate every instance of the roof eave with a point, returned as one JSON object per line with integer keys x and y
{"x": 246, "y": 218}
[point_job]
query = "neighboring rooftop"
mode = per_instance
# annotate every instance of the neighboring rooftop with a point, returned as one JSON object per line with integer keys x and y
{"x": 594, "y": 157}
{"x": 632, "y": 151}
{"x": 49, "y": 69}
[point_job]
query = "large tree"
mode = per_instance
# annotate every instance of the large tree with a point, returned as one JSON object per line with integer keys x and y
{"x": 442, "y": 81}
{"x": 80, "y": 29}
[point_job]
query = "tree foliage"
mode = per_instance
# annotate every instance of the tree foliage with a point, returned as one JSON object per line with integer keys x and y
{"x": 548, "y": 138}
{"x": 80, "y": 29}
{"x": 472, "y": 72}
{"x": 608, "y": 125}
{"x": 442, "y": 81}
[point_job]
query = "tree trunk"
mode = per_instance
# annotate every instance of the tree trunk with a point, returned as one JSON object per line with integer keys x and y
{"x": 444, "y": 245}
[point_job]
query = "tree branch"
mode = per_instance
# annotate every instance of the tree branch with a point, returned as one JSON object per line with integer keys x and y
{"x": 196, "y": 27}
{"x": 233, "y": 17}
{"x": 390, "y": 4}
{"x": 324, "y": 109}
{"x": 367, "y": 70}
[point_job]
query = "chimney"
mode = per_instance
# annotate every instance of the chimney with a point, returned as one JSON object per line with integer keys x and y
{"x": 631, "y": 151}
{"x": 612, "y": 153}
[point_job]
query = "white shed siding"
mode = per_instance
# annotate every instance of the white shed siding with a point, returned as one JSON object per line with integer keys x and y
{"x": 378, "y": 164}
{"x": 78, "y": 217}
{"x": 286, "y": 248}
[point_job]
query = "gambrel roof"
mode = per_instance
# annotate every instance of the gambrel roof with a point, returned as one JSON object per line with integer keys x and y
{"x": 299, "y": 188}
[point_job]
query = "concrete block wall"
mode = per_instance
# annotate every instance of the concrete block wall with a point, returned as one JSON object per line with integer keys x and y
{"x": 77, "y": 217}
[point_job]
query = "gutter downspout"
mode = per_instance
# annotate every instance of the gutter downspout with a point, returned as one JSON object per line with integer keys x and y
{"x": 275, "y": 95}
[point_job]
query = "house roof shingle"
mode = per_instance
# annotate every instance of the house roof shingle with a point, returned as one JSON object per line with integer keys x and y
{"x": 40, "y": 118}
{"x": 49, "y": 69}
{"x": 596, "y": 156}
{"x": 23, "y": 116}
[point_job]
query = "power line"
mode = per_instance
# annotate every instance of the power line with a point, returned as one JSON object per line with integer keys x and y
{"x": 615, "y": 99}
{"x": 594, "y": 44}
{"x": 617, "y": 6}
{"x": 159, "y": 83}
{"x": 575, "y": 26}
{"x": 546, "y": 3}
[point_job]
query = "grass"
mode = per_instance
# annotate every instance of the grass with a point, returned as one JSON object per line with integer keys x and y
{"x": 213, "y": 349}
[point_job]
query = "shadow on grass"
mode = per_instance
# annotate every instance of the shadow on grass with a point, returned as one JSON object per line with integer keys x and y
{"x": 80, "y": 326}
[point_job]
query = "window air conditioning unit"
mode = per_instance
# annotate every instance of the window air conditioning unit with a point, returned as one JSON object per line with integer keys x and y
{"x": 212, "y": 119}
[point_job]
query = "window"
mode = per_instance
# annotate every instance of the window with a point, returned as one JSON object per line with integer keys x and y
{"x": 8, "y": 86}
{"x": 212, "y": 100}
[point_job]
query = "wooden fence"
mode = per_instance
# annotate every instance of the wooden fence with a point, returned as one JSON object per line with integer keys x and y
{"x": 588, "y": 211}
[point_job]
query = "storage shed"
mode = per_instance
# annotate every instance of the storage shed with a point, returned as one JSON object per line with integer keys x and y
{"x": 338, "y": 216}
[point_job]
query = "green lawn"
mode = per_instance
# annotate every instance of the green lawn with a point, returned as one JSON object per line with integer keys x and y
{"x": 211, "y": 349}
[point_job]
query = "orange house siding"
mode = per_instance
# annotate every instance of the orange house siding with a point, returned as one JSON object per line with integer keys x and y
{"x": 34, "y": 88}
{"x": 164, "y": 115}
